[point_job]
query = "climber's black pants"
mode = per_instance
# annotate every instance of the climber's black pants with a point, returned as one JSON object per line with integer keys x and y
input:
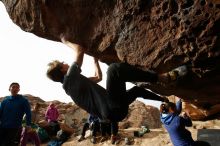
{"x": 117, "y": 76}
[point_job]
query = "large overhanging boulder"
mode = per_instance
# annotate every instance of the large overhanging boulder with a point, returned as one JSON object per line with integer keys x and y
{"x": 150, "y": 34}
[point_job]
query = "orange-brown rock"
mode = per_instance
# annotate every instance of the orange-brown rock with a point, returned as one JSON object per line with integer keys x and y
{"x": 198, "y": 110}
{"x": 151, "y": 34}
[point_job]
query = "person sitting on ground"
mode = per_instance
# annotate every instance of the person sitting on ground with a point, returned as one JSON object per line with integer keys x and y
{"x": 31, "y": 134}
{"x": 51, "y": 114}
{"x": 35, "y": 113}
{"x": 92, "y": 124}
{"x": 111, "y": 103}
{"x": 175, "y": 124}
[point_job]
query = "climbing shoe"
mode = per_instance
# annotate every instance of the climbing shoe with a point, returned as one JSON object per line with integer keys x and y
{"x": 177, "y": 73}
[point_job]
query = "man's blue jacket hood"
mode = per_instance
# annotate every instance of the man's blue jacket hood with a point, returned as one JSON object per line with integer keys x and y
{"x": 167, "y": 118}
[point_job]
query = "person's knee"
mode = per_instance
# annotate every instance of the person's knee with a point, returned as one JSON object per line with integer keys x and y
{"x": 116, "y": 70}
{"x": 112, "y": 69}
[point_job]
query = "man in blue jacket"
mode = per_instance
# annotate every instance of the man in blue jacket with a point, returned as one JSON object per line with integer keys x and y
{"x": 12, "y": 110}
{"x": 175, "y": 124}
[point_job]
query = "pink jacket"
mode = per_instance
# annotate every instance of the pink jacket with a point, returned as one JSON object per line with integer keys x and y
{"x": 52, "y": 113}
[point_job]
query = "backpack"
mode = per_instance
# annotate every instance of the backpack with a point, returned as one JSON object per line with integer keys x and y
{"x": 42, "y": 133}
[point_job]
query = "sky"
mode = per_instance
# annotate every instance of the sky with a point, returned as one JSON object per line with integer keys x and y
{"x": 24, "y": 58}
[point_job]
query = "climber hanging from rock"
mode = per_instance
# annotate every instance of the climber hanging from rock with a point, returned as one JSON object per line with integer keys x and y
{"x": 111, "y": 103}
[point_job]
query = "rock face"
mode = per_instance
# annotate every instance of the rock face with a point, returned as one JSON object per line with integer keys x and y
{"x": 151, "y": 34}
{"x": 72, "y": 115}
{"x": 141, "y": 115}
